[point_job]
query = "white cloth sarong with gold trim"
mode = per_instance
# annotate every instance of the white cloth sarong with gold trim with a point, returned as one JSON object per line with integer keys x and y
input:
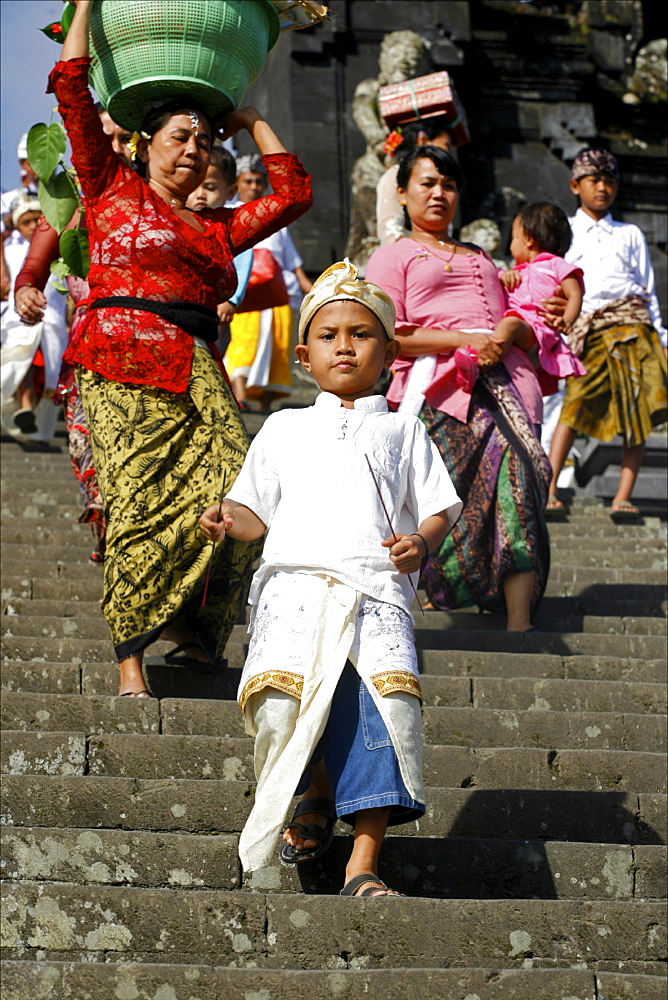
{"x": 334, "y": 623}
{"x": 307, "y": 477}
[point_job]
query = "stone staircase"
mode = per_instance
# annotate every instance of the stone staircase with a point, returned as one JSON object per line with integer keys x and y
{"x": 537, "y": 873}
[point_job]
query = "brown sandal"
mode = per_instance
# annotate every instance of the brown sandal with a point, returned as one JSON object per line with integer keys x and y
{"x": 376, "y": 891}
{"x": 554, "y": 503}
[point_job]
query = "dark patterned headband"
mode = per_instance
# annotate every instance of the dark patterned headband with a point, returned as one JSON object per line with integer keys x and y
{"x": 594, "y": 161}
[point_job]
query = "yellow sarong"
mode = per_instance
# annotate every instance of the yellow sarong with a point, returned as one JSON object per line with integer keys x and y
{"x": 260, "y": 350}
{"x": 160, "y": 459}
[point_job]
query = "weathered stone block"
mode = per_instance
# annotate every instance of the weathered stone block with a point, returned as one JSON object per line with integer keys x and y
{"x": 651, "y": 874}
{"x": 117, "y": 857}
{"x": 43, "y": 753}
{"x": 194, "y": 806}
{"x": 72, "y": 713}
{"x": 208, "y": 757}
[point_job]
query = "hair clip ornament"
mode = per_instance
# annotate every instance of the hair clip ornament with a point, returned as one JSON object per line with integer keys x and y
{"x": 132, "y": 145}
{"x": 392, "y": 142}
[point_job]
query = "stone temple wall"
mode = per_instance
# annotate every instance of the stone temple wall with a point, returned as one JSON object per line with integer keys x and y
{"x": 539, "y": 81}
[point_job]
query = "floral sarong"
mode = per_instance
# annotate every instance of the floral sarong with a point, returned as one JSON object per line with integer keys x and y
{"x": 502, "y": 474}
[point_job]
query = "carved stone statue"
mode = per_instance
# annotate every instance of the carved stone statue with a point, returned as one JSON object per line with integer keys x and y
{"x": 403, "y": 55}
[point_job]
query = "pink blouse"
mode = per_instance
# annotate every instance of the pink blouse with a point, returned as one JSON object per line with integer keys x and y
{"x": 468, "y": 297}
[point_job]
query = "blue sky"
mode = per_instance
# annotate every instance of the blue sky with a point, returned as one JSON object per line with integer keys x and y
{"x": 27, "y": 56}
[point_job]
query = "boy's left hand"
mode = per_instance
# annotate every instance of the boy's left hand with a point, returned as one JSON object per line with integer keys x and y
{"x": 406, "y": 552}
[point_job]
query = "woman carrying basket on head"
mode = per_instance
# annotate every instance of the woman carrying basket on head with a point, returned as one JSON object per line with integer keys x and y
{"x": 165, "y": 429}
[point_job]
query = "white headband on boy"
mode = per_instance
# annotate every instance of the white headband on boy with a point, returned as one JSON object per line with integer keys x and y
{"x": 23, "y": 205}
{"x": 339, "y": 283}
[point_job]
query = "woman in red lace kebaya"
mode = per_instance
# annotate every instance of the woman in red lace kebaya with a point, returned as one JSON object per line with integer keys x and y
{"x": 165, "y": 429}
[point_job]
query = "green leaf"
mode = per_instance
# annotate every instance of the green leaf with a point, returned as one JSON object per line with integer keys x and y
{"x": 58, "y": 199}
{"x": 74, "y": 251}
{"x": 61, "y": 271}
{"x": 66, "y": 19}
{"x": 46, "y": 147}
{"x": 54, "y": 32}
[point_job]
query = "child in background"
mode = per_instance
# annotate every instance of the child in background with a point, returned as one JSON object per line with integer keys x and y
{"x": 619, "y": 337}
{"x": 219, "y": 187}
{"x": 330, "y": 688}
{"x": 541, "y": 236}
{"x": 31, "y": 354}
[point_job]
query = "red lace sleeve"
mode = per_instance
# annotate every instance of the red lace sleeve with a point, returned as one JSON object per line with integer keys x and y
{"x": 94, "y": 160}
{"x": 44, "y": 249}
{"x": 291, "y": 197}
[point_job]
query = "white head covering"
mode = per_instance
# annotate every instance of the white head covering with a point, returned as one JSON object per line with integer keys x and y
{"x": 22, "y": 148}
{"x": 22, "y": 205}
{"x": 250, "y": 163}
{"x": 340, "y": 283}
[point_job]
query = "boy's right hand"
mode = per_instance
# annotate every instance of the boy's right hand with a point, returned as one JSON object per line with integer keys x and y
{"x": 216, "y": 521}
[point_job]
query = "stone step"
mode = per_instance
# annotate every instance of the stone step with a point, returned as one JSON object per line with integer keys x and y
{"x": 56, "y": 530}
{"x": 62, "y": 503}
{"x": 49, "y": 616}
{"x": 23, "y": 595}
{"x": 80, "y": 604}
{"x": 524, "y": 694}
{"x": 63, "y": 582}
{"x": 507, "y": 693}
{"x": 82, "y": 573}
{"x": 318, "y": 932}
{"x": 121, "y": 755}
{"x": 223, "y": 806}
{"x": 581, "y": 567}
{"x": 72, "y": 980}
{"x": 40, "y": 676}
{"x": 477, "y": 663}
{"x": 57, "y": 645}
{"x": 578, "y": 577}
{"x": 567, "y": 643}
{"x": 450, "y": 868}
{"x": 443, "y": 726}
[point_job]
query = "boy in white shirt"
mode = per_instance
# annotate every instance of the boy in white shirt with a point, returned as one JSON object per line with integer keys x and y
{"x": 619, "y": 335}
{"x": 334, "y": 589}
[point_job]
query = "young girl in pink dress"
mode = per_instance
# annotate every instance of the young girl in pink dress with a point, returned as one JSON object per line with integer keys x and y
{"x": 541, "y": 237}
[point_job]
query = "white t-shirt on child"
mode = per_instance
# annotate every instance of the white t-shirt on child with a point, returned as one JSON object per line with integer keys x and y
{"x": 306, "y": 477}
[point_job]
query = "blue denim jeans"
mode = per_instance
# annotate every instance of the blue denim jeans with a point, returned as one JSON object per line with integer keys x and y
{"x": 361, "y": 763}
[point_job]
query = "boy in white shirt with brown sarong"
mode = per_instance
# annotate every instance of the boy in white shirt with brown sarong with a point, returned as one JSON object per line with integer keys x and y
{"x": 331, "y": 688}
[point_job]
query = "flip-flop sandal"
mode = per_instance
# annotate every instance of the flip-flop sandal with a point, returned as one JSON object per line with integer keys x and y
{"x": 173, "y": 659}
{"x": 624, "y": 511}
{"x": 351, "y": 887}
{"x": 143, "y": 694}
{"x": 24, "y": 419}
{"x": 554, "y": 503}
{"x": 323, "y": 835}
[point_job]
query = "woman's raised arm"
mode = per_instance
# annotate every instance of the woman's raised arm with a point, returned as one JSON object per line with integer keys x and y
{"x": 75, "y": 45}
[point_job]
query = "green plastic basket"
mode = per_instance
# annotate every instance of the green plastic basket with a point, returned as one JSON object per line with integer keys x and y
{"x": 152, "y": 50}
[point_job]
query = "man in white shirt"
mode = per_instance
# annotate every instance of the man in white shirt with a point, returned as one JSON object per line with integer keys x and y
{"x": 620, "y": 334}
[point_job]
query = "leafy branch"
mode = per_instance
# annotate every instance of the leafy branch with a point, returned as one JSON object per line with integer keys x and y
{"x": 58, "y": 196}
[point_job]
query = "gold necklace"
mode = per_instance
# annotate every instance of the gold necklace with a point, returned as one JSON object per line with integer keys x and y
{"x": 447, "y": 266}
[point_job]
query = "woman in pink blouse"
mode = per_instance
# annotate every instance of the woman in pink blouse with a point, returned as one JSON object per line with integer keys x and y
{"x": 485, "y": 421}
